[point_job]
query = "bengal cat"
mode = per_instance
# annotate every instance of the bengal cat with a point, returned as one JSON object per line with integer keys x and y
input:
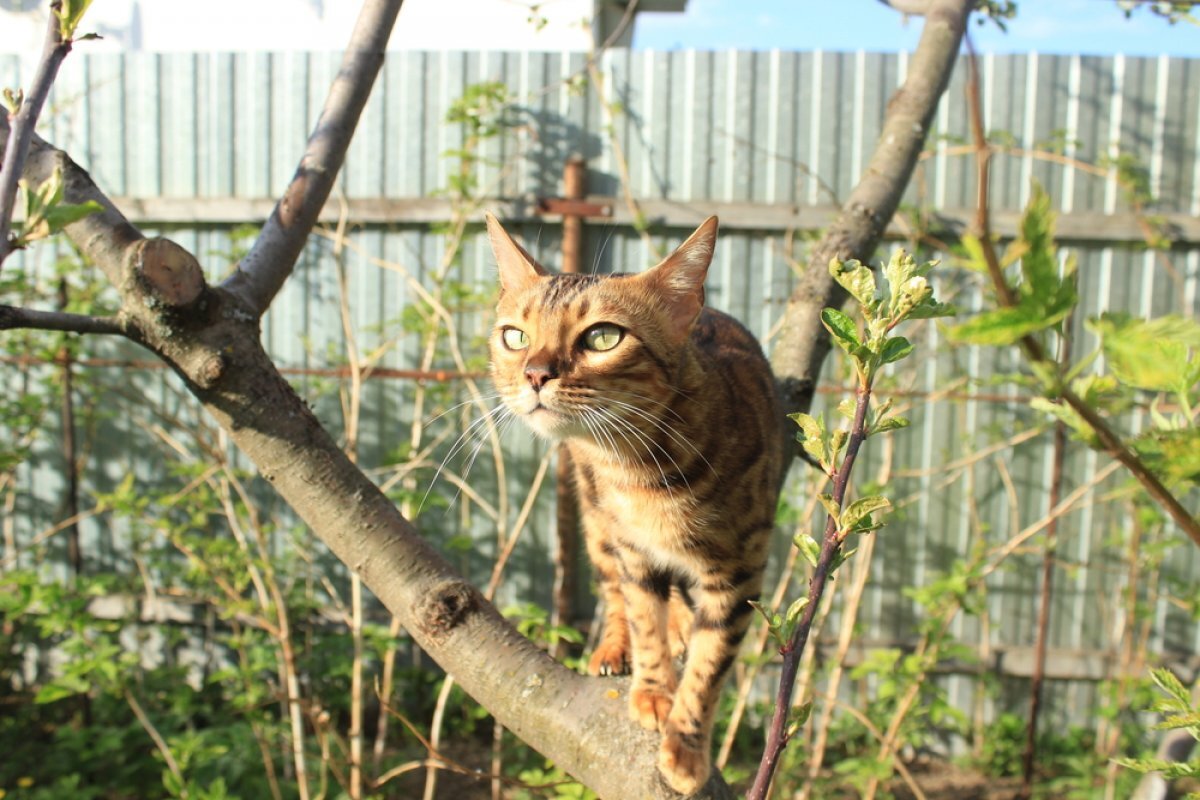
{"x": 670, "y": 415}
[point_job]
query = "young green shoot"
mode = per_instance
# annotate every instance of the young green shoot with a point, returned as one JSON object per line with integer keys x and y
{"x": 870, "y": 346}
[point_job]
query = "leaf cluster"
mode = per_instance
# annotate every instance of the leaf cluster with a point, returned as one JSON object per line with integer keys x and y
{"x": 45, "y": 212}
{"x": 1043, "y": 297}
{"x": 1144, "y": 360}
{"x": 1180, "y": 712}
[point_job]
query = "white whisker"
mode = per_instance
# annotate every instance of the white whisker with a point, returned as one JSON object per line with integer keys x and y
{"x": 663, "y": 426}
{"x": 477, "y": 426}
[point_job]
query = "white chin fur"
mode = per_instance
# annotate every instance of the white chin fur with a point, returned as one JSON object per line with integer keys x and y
{"x": 552, "y": 425}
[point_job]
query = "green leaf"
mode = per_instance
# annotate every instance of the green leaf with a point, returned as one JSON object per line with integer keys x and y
{"x": 63, "y": 214}
{"x": 894, "y": 349}
{"x": 812, "y": 437}
{"x": 932, "y": 309}
{"x": 843, "y": 329}
{"x": 795, "y": 610}
{"x": 1039, "y": 263}
{"x": 1067, "y": 415}
{"x": 808, "y": 547}
{"x": 69, "y": 17}
{"x": 889, "y": 424}
{"x": 1001, "y": 326}
{"x": 797, "y": 717}
{"x": 837, "y": 441}
{"x": 1150, "y": 354}
{"x": 66, "y": 686}
{"x": 831, "y": 507}
{"x": 861, "y": 510}
{"x": 973, "y": 248}
{"x": 841, "y": 557}
{"x": 847, "y": 407}
{"x": 856, "y": 279}
{"x": 1173, "y": 454}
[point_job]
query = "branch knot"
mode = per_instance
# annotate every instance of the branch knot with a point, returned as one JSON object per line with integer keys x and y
{"x": 446, "y": 607}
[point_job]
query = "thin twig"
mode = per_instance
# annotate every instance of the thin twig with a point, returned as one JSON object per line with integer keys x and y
{"x": 777, "y": 734}
{"x": 12, "y": 317}
{"x": 261, "y": 274}
{"x": 20, "y": 133}
{"x": 159, "y": 741}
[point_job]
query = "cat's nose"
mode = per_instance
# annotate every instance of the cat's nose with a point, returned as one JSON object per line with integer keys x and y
{"x": 537, "y": 375}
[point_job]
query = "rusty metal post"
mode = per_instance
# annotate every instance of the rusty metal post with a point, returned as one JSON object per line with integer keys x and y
{"x": 574, "y": 188}
{"x": 566, "y": 575}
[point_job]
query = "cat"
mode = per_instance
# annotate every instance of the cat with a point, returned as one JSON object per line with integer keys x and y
{"x": 670, "y": 414}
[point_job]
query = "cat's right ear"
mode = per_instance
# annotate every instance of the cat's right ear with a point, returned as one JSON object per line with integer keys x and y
{"x": 518, "y": 270}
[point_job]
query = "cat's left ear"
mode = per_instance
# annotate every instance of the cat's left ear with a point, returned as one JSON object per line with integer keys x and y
{"x": 679, "y": 278}
{"x": 518, "y": 270}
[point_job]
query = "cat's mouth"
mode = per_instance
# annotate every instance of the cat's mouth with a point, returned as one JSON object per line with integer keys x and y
{"x": 551, "y": 423}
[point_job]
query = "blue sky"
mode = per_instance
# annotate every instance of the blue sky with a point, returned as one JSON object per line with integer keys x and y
{"x": 1045, "y": 26}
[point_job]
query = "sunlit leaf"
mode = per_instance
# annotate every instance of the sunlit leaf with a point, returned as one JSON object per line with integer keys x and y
{"x": 856, "y": 279}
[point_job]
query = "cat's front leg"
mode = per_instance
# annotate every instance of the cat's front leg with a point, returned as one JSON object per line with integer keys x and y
{"x": 721, "y": 618}
{"x": 646, "y": 592}
{"x": 611, "y": 656}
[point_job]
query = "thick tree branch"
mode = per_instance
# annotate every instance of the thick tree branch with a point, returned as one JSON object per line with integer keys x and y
{"x": 12, "y": 317}
{"x": 106, "y": 237}
{"x": 210, "y": 337}
{"x": 20, "y": 134}
{"x": 261, "y": 274}
{"x": 803, "y": 343}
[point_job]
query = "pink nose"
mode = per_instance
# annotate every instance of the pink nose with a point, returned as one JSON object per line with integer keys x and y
{"x": 537, "y": 376}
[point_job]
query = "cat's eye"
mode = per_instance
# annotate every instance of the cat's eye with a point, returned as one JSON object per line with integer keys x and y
{"x": 514, "y": 339}
{"x": 602, "y": 337}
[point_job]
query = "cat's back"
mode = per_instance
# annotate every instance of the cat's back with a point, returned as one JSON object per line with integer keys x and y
{"x": 742, "y": 422}
{"x": 725, "y": 346}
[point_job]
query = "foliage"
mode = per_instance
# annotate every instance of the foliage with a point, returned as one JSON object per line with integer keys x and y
{"x": 1175, "y": 702}
{"x": 906, "y": 295}
{"x": 1144, "y": 359}
{"x": 45, "y": 212}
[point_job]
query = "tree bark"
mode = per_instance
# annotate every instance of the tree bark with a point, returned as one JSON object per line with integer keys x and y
{"x": 803, "y": 343}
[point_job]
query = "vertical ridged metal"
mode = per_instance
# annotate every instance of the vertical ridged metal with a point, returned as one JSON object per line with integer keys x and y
{"x": 695, "y": 128}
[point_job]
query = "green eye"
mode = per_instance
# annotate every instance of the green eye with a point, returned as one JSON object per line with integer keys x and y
{"x": 602, "y": 337}
{"x": 514, "y": 339}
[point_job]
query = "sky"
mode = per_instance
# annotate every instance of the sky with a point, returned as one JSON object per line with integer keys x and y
{"x": 1045, "y": 26}
{"x": 1089, "y": 27}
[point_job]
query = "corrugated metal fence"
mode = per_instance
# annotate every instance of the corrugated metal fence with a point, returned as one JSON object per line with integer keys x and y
{"x": 199, "y": 143}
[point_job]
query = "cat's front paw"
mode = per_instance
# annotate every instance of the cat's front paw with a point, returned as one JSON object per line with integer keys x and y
{"x": 609, "y": 659}
{"x": 650, "y": 707}
{"x": 683, "y": 761}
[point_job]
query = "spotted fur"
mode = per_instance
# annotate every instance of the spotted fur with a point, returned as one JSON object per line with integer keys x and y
{"x": 673, "y": 432}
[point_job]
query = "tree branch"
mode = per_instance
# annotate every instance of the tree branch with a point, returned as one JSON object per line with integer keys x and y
{"x": 106, "y": 237}
{"x": 210, "y": 336}
{"x": 263, "y": 271}
{"x": 13, "y": 317}
{"x": 20, "y": 134}
{"x": 803, "y": 343}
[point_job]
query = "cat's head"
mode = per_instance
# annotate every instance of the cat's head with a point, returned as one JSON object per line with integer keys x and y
{"x": 590, "y": 355}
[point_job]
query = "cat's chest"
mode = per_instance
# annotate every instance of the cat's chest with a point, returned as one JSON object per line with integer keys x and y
{"x": 636, "y": 507}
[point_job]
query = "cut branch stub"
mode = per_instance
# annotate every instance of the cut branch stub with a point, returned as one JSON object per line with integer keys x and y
{"x": 167, "y": 274}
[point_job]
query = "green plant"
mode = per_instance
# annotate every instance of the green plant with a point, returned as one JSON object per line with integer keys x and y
{"x": 1175, "y": 702}
{"x": 907, "y": 296}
